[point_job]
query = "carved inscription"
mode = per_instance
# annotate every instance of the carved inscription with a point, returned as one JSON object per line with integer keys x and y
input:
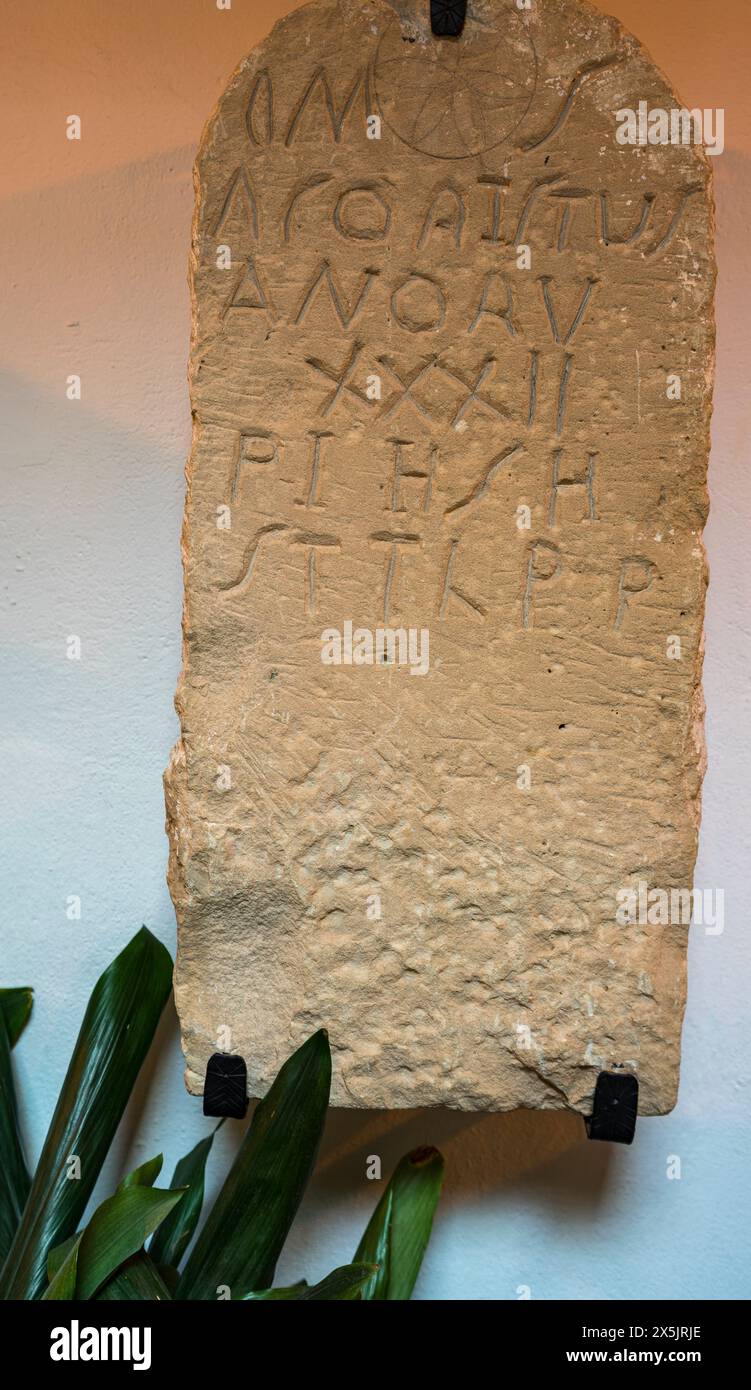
{"x": 438, "y": 312}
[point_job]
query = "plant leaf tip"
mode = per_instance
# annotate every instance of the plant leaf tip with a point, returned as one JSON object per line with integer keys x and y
{"x": 425, "y": 1154}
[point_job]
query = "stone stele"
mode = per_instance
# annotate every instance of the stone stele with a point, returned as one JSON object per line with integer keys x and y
{"x": 441, "y": 716}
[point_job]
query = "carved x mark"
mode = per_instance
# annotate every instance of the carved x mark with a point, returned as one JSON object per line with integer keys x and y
{"x": 342, "y": 380}
{"x": 406, "y": 397}
{"x": 473, "y": 396}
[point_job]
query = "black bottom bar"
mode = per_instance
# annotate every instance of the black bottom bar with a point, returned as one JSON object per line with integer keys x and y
{"x": 222, "y": 1339}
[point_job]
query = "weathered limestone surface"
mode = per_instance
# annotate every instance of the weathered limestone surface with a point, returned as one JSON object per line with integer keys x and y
{"x": 404, "y": 420}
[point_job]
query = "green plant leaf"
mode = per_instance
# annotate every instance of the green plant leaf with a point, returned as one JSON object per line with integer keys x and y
{"x": 115, "y": 1035}
{"x": 116, "y": 1231}
{"x": 399, "y": 1229}
{"x": 144, "y": 1176}
{"x": 138, "y": 1280}
{"x": 376, "y": 1247}
{"x": 173, "y": 1236}
{"x": 343, "y": 1284}
{"x": 246, "y": 1229}
{"x": 14, "y": 1178}
{"x": 169, "y": 1276}
{"x": 62, "y": 1287}
{"x": 15, "y": 1007}
{"x": 270, "y": 1295}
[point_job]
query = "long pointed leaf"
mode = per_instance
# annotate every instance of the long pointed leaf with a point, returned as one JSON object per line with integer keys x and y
{"x": 137, "y": 1281}
{"x": 246, "y": 1229}
{"x": 399, "y": 1229}
{"x": 343, "y": 1284}
{"x": 115, "y": 1035}
{"x": 62, "y": 1286}
{"x": 376, "y": 1247}
{"x": 173, "y": 1236}
{"x": 15, "y": 1007}
{"x": 116, "y": 1231}
{"x": 285, "y": 1295}
{"x": 14, "y": 1178}
{"x": 59, "y": 1253}
{"x": 145, "y": 1175}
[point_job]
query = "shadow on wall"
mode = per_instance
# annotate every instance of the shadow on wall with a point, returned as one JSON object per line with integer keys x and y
{"x": 546, "y": 1151}
{"x": 543, "y": 1156}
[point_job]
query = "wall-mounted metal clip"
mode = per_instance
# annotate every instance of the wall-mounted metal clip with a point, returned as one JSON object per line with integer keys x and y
{"x": 614, "y": 1108}
{"x": 225, "y": 1089}
{"x": 447, "y": 18}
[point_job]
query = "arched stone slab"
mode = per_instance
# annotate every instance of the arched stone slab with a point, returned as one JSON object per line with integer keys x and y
{"x": 451, "y": 375}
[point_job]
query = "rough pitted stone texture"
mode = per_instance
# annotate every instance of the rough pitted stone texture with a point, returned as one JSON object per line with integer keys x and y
{"x": 432, "y": 390}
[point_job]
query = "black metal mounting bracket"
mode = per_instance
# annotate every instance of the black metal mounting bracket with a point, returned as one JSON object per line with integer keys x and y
{"x": 225, "y": 1088}
{"x": 447, "y": 18}
{"x": 614, "y": 1108}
